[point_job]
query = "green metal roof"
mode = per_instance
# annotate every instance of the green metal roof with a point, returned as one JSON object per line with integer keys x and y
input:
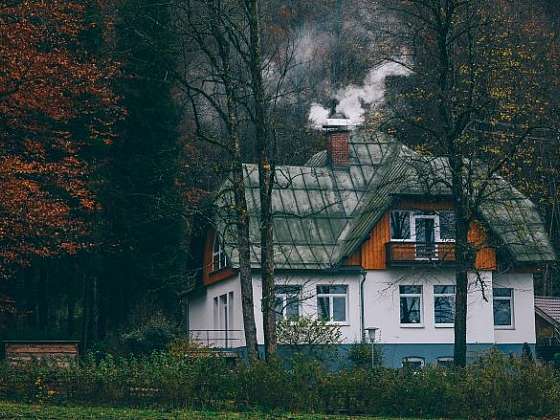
{"x": 323, "y": 214}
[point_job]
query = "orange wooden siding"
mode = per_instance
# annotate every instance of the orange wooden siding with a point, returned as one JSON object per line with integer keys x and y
{"x": 485, "y": 256}
{"x": 208, "y": 275}
{"x": 373, "y": 250}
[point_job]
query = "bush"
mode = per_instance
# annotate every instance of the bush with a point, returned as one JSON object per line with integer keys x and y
{"x": 360, "y": 354}
{"x": 154, "y": 334}
{"x": 495, "y": 387}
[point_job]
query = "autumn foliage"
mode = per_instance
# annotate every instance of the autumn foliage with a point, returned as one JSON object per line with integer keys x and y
{"x": 56, "y": 103}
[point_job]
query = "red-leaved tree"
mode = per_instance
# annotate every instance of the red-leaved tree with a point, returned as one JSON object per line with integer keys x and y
{"x": 56, "y": 109}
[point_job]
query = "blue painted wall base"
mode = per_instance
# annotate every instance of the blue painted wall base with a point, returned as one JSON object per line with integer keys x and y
{"x": 393, "y": 354}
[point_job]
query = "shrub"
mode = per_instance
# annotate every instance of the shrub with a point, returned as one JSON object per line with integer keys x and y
{"x": 360, "y": 354}
{"x": 154, "y": 334}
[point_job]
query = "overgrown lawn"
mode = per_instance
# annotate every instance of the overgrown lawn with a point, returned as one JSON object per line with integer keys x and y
{"x": 10, "y": 410}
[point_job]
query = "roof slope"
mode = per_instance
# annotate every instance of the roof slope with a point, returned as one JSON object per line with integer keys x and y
{"x": 323, "y": 214}
{"x": 549, "y": 308}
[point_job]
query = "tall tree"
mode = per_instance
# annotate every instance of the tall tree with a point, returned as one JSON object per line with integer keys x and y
{"x": 56, "y": 104}
{"x": 461, "y": 107}
{"x": 264, "y": 148}
{"x": 209, "y": 31}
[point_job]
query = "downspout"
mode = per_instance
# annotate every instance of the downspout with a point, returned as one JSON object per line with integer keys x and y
{"x": 362, "y": 310}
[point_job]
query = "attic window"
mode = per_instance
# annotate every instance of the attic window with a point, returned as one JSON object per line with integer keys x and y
{"x": 219, "y": 258}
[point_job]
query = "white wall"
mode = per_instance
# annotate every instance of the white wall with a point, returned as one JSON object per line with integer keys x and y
{"x": 382, "y": 310}
{"x": 381, "y": 301}
{"x": 201, "y": 312}
{"x": 309, "y": 282}
{"x": 523, "y": 330}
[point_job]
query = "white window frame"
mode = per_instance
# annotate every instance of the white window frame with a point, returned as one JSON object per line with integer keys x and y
{"x": 436, "y": 295}
{"x": 413, "y": 359}
{"x": 223, "y": 311}
{"x": 284, "y": 297}
{"x": 511, "y": 324}
{"x": 218, "y": 251}
{"x": 421, "y": 305}
{"x": 331, "y": 297}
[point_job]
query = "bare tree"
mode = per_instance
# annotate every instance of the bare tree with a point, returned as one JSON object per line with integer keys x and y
{"x": 209, "y": 32}
{"x": 455, "y": 68}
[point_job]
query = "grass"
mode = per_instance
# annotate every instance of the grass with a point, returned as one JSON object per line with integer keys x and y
{"x": 11, "y": 410}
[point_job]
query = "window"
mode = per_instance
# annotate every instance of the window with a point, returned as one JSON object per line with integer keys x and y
{"x": 287, "y": 300}
{"x": 223, "y": 311}
{"x": 400, "y": 224}
{"x": 331, "y": 303}
{"x": 223, "y": 319}
{"x": 413, "y": 363}
{"x": 445, "y": 362}
{"x": 503, "y": 307}
{"x": 447, "y": 225}
{"x": 411, "y": 304}
{"x": 219, "y": 258}
{"x": 444, "y": 304}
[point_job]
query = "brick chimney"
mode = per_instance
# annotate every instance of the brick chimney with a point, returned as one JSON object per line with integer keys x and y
{"x": 337, "y": 129}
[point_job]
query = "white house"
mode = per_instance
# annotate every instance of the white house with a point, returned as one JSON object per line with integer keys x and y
{"x": 364, "y": 237}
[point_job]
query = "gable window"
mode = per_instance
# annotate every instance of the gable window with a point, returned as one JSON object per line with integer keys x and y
{"x": 219, "y": 258}
{"x": 287, "y": 302}
{"x": 400, "y": 224}
{"x": 411, "y": 305}
{"x": 503, "y": 307}
{"x": 332, "y": 303}
{"x": 444, "y": 305}
{"x": 413, "y": 363}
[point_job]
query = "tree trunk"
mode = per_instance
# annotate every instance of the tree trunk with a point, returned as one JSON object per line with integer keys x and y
{"x": 236, "y": 169}
{"x": 43, "y": 297}
{"x": 463, "y": 261}
{"x": 266, "y": 179}
{"x": 85, "y": 314}
{"x": 70, "y": 307}
{"x": 245, "y": 272}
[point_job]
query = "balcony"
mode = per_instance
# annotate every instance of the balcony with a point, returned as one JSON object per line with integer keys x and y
{"x": 403, "y": 254}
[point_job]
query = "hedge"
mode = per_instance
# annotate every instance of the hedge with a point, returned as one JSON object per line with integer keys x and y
{"x": 495, "y": 387}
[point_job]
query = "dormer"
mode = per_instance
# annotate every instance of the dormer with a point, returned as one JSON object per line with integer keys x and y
{"x": 416, "y": 233}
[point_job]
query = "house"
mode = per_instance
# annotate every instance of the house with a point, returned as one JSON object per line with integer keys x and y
{"x": 547, "y": 321}
{"x": 364, "y": 238}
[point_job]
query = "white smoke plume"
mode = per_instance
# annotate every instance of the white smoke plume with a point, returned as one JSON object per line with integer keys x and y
{"x": 353, "y": 100}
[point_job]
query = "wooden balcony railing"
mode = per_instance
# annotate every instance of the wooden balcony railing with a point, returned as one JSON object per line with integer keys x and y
{"x": 415, "y": 253}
